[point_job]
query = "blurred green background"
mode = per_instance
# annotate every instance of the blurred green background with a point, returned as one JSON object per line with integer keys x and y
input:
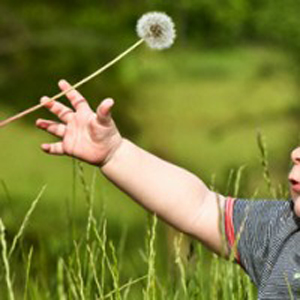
{"x": 233, "y": 70}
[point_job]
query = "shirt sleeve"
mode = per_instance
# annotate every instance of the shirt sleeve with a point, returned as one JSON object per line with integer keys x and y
{"x": 249, "y": 227}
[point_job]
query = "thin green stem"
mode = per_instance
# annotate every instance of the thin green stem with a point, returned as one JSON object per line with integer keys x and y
{"x": 5, "y": 261}
{"x": 75, "y": 86}
{"x": 25, "y": 221}
{"x": 126, "y": 285}
{"x": 28, "y": 273}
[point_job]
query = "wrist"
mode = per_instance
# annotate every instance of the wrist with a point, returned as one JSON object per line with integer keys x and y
{"x": 117, "y": 144}
{"x": 120, "y": 156}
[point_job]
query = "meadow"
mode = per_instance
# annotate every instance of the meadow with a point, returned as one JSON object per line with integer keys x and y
{"x": 200, "y": 109}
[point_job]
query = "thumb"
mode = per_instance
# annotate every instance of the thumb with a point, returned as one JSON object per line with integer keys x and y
{"x": 103, "y": 111}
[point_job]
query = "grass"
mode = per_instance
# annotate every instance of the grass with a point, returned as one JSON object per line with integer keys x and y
{"x": 87, "y": 240}
{"x": 92, "y": 269}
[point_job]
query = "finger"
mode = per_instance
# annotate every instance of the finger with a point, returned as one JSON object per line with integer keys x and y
{"x": 104, "y": 111}
{"x": 57, "y": 129}
{"x": 76, "y": 99}
{"x": 54, "y": 148}
{"x": 63, "y": 112}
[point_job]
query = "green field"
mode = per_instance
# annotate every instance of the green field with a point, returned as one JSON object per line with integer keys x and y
{"x": 198, "y": 108}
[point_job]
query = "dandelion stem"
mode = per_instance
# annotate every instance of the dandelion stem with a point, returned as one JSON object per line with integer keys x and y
{"x": 75, "y": 86}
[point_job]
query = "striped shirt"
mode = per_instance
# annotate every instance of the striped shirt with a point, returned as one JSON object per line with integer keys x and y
{"x": 267, "y": 234}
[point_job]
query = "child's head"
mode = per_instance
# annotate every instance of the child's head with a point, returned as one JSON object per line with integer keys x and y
{"x": 294, "y": 178}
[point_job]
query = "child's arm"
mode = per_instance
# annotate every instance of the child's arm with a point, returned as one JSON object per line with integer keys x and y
{"x": 174, "y": 194}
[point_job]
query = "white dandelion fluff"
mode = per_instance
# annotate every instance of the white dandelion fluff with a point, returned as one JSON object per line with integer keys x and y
{"x": 157, "y": 29}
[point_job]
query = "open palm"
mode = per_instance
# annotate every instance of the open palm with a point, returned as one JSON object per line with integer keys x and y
{"x": 89, "y": 136}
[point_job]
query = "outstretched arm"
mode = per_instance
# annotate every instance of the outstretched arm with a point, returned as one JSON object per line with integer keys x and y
{"x": 174, "y": 194}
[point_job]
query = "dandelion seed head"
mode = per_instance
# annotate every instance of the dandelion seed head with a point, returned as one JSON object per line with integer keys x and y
{"x": 157, "y": 29}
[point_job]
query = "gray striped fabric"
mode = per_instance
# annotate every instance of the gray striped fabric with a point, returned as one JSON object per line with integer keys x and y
{"x": 269, "y": 246}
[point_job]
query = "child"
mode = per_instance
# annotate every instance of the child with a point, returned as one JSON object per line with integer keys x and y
{"x": 267, "y": 232}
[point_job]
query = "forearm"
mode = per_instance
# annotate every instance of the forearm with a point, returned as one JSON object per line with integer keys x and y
{"x": 173, "y": 193}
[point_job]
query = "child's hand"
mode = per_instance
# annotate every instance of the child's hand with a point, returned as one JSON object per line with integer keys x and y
{"x": 86, "y": 135}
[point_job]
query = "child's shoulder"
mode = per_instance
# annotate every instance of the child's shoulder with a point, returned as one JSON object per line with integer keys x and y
{"x": 262, "y": 210}
{"x": 268, "y": 236}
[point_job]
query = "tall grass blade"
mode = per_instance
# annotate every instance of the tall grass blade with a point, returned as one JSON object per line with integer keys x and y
{"x": 79, "y": 272}
{"x": 94, "y": 271}
{"x": 28, "y": 273}
{"x": 238, "y": 181}
{"x": 179, "y": 262}
{"x": 150, "y": 292}
{"x": 229, "y": 182}
{"x": 89, "y": 195}
{"x": 6, "y": 191}
{"x": 71, "y": 285}
{"x": 101, "y": 239}
{"x": 265, "y": 162}
{"x": 115, "y": 271}
{"x": 60, "y": 280}
{"x": 125, "y": 286}
{"x": 289, "y": 287}
{"x": 91, "y": 206}
{"x": 6, "y": 262}
{"x": 25, "y": 221}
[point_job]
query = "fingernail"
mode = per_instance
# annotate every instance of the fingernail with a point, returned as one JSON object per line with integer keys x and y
{"x": 45, "y": 147}
{"x": 62, "y": 82}
{"x": 109, "y": 101}
{"x": 44, "y": 99}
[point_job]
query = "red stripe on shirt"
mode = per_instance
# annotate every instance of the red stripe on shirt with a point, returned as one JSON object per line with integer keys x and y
{"x": 229, "y": 228}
